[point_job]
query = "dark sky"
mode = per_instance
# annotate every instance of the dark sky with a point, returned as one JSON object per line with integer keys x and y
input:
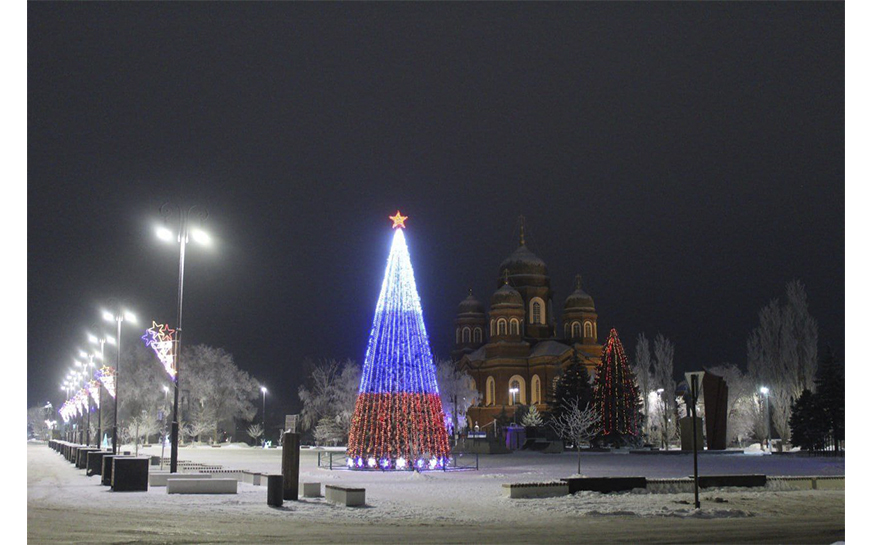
{"x": 686, "y": 158}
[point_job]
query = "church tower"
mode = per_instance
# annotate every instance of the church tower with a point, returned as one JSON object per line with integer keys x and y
{"x": 469, "y": 327}
{"x": 529, "y": 276}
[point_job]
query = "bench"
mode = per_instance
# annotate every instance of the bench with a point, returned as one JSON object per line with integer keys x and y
{"x": 95, "y": 462}
{"x": 604, "y": 484}
{"x": 184, "y": 485}
{"x": 159, "y": 478}
{"x": 343, "y": 495}
{"x": 536, "y": 490}
{"x": 106, "y": 473}
{"x": 311, "y": 490}
{"x": 82, "y": 456}
{"x": 718, "y": 481}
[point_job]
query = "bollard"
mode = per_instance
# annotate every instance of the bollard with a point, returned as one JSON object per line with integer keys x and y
{"x": 274, "y": 491}
{"x": 291, "y": 465}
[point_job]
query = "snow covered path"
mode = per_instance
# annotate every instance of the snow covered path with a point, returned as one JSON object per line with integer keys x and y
{"x": 65, "y": 506}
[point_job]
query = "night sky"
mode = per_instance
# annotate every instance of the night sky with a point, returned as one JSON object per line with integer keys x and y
{"x": 686, "y": 158}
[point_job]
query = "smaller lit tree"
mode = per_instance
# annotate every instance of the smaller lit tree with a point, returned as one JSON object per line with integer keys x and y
{"x": 255, "y": 431}
{"x": 532, "y": 419}
{"x": 577, "y": 425}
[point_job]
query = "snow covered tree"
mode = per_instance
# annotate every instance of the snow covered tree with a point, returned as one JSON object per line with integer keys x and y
{"x": 329, "y": 431}
{"x": 331, "y": 393}
{"x": 221, "y": 391}
{"x": 573, "y": 386}
{"x": 578, "y": 423}
{"x": 457, "y": 392}
{"x": 615, "y": 396}
{"x": 142, "y": 380}
{"x": 254, "y": 431}
{"x": 36, "y": 417}
{"x": 642, "y": 368}
{"x": 664, "y": 385}
{"x": 782, "y": 353}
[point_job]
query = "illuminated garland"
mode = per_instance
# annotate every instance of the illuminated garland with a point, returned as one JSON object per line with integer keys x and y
{"x": 398, "y": 421}
{"x": 66, "y": 410}
{"x": 614, "y": 394}
{"x": 93, "y": 388}
{"x": 81, "y": 401}
{"x": 160, "y": 338}
{"x": 106, "y": 375}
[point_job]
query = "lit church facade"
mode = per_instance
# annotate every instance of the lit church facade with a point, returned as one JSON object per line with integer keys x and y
{"x": 516, "y": 349}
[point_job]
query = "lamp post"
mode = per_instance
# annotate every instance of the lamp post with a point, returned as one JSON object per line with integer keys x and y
{"x": 182, "y": 238}
{"x": 263, "y": 391}
{"x": 765, "y": 391}
{"x": 102, "y": 341}
{"x": 118, "y": 317}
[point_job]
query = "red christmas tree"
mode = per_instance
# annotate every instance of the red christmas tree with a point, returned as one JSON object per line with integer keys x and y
{"x": 615, "y": 395}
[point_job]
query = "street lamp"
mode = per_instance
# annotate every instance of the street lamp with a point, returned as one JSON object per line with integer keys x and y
{"x": 102, "y": 340}
{"x": 765, "y": 391}
{"x": 263, "y": 391}
{"x": 118, "y": 317}
{"x": 182, "y": 238}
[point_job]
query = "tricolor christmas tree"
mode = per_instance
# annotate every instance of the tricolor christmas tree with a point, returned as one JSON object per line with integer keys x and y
{"x": 398, "y": 421}
{"x": 615, "y": 396}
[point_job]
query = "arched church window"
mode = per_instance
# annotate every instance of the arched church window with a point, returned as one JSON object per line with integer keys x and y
{"x": 576, "y": 330}
{"x": 501, "y": 327}
{"x": 588, "y": 329}
{"x": 492, "y": 327}
{"x": 466, "y": 334}
{"x": 490, "y": 391}
{"x": 536, "y": 394}
{"x": 537, "y": 311}
{"x": 476, "y": 335}
{"x": 515, "y": 392}
{"x": 514, "y": 327}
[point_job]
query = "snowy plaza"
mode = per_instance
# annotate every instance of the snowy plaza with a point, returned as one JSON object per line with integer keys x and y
{"x": 442, "y": 507}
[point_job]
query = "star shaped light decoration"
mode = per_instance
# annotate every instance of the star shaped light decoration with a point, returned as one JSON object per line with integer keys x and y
{"x": 160, "y": 338}
{"x": 399, "y": 220}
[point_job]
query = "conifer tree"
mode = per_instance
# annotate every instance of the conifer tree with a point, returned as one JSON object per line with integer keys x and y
{"x": 830, "y": 384}
{"x": 572, "y": 388}
{"x": 809, "y": 423}
{"x": 615, "y": 396}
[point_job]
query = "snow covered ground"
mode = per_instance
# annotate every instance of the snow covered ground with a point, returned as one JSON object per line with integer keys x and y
{"x": 436, "y": 507}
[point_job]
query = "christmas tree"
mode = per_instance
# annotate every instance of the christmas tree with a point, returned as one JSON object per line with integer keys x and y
{"x": 615, "y": 396}
{"x": 398, "y": 421}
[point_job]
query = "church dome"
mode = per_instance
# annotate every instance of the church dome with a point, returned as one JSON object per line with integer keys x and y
{"x": 507, "y": 296}
{"x": 470, "y": 305}
{"x": 578, "y": 299}
{"x": 524, "y": 262}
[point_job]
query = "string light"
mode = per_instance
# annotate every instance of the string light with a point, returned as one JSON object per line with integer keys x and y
{"x": 94, "y": 390}
{"x": 159, "y": 337}
{"x": 615, "y": 393}
{"x": 398, "y": 414}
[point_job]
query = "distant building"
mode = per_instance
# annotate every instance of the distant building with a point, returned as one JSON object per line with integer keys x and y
{"x": 519, "y": 344}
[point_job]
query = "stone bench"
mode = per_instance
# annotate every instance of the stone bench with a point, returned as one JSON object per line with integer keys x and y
{"x": 604, "y": 484}
{"x": 311, "y": 490}
{"x": 82, "y": 456}
{"x": 536, "y": 490}
{"x": 106, "y": 473}
{"x": 159, "y": 478}
{"x": 129, "y": 474}
{"x": 201, "y": 486}
{"x": 95, "y": 462}
{"x": 343, "y": 495}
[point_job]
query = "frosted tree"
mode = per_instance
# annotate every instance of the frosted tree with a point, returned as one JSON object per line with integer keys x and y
{"x": 142, "y": 382}
{"x": 663, "y": 379}
{"x": 782, "y": 353}
{"x": 642, "y": 368}
{"x": 221, "y": 390}
{"x": 458, "y": 393}
{"x": 328, "y": 430}
{"x": 254, "y": 431}
{"x": 577, "y": 424}
{"x": 36, "y": 417}
{"x": 331, "y": 393}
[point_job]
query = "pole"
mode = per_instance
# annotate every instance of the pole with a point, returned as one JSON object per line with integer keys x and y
{"x": 291, "y": 465}
{"x": 768, "y": 426}
{"x": 263, "y": 441}
{"x": 174, "y": 429}
{"x": 693, "y": 394}
{"x": 100, "y": 394}
{"x": 117, "y": 385}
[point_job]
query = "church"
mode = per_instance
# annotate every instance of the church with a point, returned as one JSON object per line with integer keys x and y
{"x": 516, "y": 350}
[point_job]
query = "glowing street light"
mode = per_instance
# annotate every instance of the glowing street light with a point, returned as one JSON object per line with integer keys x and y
{"x": 765, "y": 391}
{"x": 263, "y": 391}
{"x": 199, "y": 236}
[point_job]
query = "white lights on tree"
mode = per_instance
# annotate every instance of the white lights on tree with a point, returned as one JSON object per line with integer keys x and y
{"x": 106, "y": 375}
